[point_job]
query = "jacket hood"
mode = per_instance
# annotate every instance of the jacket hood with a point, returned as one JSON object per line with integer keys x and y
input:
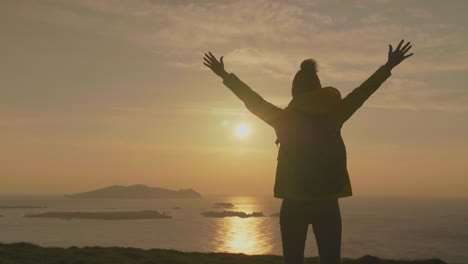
{"x": 318, "y": 101}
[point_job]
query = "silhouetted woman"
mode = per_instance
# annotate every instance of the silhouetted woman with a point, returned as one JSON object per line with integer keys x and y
{"x": 311, "y": 173}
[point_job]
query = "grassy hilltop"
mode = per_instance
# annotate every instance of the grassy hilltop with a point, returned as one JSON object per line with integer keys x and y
{"x": 19, "y": 253}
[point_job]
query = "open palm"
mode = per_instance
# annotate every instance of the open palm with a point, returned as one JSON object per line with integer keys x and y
{"x": 215, "y": 65}
{"x": 398, "y": 55}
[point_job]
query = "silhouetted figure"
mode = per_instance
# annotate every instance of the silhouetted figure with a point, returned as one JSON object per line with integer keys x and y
{"x": 311, "y": 173}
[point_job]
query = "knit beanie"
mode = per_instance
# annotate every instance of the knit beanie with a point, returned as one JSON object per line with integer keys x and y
{"x": 306, "y": 78}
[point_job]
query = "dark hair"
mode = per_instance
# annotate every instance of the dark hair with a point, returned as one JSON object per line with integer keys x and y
{"x": 306, "y": 78}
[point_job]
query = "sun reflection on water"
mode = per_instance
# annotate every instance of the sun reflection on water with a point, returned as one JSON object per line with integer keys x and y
{"x": 243, "y": 235}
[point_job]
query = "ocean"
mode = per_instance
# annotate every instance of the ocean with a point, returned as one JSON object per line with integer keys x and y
{"x": 387, "y": 227}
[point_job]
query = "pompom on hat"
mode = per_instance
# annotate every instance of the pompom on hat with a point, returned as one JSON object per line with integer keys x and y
{"x": 309, "y": 65}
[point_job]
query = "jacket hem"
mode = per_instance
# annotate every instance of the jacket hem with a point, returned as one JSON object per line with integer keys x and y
{"x": 312, "y": 197}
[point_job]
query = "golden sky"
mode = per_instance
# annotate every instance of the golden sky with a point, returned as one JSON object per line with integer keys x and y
{"x": 103, "y": 92}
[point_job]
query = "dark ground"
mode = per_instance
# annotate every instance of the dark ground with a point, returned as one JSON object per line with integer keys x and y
{"x": 19, "y": 253}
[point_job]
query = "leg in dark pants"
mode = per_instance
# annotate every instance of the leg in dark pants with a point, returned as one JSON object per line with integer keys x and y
{"x": 295, "y": 216}
{"x": 327, "y": 230}
{"x": 293, "y": 232}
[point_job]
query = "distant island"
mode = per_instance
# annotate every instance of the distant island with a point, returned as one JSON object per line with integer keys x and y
{"x": 223, "y": 205}
{"x": 27, "y": 253}
{"x": 231, "y": 213}
{"x": 21, "y": 207}
{"x": 138, "y": 191}
{"x": 132, "y": 215}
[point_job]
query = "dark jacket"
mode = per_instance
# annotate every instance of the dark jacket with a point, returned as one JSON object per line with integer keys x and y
{"x": 312, "y": 155}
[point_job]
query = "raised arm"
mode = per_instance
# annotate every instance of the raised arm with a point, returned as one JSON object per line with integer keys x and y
{"x": 266, "y": 111}
{"x": 354, "y": 100}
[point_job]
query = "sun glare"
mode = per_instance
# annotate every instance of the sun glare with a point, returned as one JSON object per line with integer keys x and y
{"x": 242, "y": 130}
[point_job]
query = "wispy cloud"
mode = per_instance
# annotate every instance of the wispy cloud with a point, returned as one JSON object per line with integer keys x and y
{"x": 419, "y": 13}
{"x": 419, "y": 95}
{"x": 273, "y": 37}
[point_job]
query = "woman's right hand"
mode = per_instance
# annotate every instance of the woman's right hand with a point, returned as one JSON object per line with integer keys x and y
{"x": 215, "y": 65}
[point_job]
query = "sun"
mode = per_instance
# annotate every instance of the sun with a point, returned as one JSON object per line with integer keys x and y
{"x": 242, "y": 130}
